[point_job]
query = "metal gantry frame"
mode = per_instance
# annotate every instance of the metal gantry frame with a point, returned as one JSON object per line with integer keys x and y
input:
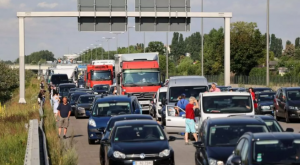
{"x": 22, "y": 15}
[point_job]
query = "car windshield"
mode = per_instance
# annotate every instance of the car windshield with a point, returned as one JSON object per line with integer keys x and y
{"x": 101, "y": 87}
{"x": 141, "y": 78}
{"x": 86, "y": 99}
{"x": 111, "y": 109}
{"x": 101, "y": 75}
{"x": 227, "y": 104}
{"x": 112, "y": 122}
{"x": 273, "y": 126}
{"x": 293, "y": 95}
{"x": 136, "y": 133}
{"x": 74, "y": 97}
{"x": 162, "y": 95}
{"x": 58, "y": 79}
{"x": 284, "y": 151}
{"x": 228, "y": 135}
{"x": 175, "y": 92}
{"x": 266, "y": 97}
{"x": 65, "y": 89}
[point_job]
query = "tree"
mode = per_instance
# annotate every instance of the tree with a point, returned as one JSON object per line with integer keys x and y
{"x": 9, "y": 82}
{"x": 288, "y": 42}
{"x": 289, "y": 50}
{"x": 259, "y": 72}
{"x": 263, "y": 60}
{"x": 181, "y": 46}
{"x": 247, "y": 45}
{"x": 35, "y": 57}
{"x": 193, "y": 45}
{"x": 162, "y": 66}
{"x": 174, "y": 46}
{"x": 297, "y": 43}
{"x": 156, "y": 46}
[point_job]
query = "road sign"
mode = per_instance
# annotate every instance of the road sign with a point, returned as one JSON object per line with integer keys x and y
{"x": 169, "y": 23}
{"x": 102, "y": 23}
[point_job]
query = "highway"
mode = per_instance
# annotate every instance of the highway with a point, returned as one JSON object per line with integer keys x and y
{"x": 89, "y": 154}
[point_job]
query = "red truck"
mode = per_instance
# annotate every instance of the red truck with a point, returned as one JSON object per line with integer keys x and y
{"x": 98, "y": 74}
{"x": 138, "y": 74}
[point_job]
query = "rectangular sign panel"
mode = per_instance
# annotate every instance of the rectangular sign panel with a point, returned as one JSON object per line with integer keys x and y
{"x": 102, "y": 23}
{"x": 162, "y": 23}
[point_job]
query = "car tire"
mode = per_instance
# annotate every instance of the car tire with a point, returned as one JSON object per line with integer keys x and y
{"x": 287, "y": 119}
{"x": 102, "y": 160}
{"x": 76, "y": 115}
{"x": 91, "y": 141}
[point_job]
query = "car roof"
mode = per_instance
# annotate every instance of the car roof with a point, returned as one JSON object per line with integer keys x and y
{"x": 110, "y": 98}
{"x": 134, "y": 122}
{"x": 276, "y": 136}
{"x": 234, "y": 121}
{"x": 67, "y": 84}
{"x": 261, "y": 88}
{"x": 263, "y": 117}
{"x": 226, "y": 94}
{"x": 288, "y": 88}
{"x": 88, "y": 95}
{"x": 78, "y": 93}
{"x": 262, "y": 93}
{"x": 131, "y": 116}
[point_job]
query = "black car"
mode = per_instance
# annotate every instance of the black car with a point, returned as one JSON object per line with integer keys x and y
{"x": 138, "y": 142}
{"x": 57, "y": 79}
{"x": 100, "y": 89}
{"x": 73, "y": 100}
{"x": 73, "y": 89}
{"x": 266, "y": 149}
{"x": 64, "y": 89}
{"x": 262, "y": 89}
{"x": 83, "y": 105}
{"x": 272, "y": 123}
{"x": 264, "y": 102}
{"x": 218, "y": 137}
{"x": 111, "y": 124}
{"x": 287, "y": 104}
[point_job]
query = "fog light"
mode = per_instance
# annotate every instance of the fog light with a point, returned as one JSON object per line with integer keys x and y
{"x": 91, "y": 135}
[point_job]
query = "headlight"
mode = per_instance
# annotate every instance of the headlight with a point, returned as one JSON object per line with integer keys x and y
{"x": 265, "y": 107}
{"x": 80, "y": 108}
{"x": 165, "y": 152}
{"x": 292, "y": 107}
{"x": 73, "y": 106}
{"x": 119, "y": 155}
{"x": 215, "y": 162}
{"x": 95, "y": 93}
{"x": 92, "y": 123}
{"x": 124, "y": 90}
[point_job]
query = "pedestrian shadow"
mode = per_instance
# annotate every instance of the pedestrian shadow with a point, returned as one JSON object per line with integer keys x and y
{"x": 75, "y": 136}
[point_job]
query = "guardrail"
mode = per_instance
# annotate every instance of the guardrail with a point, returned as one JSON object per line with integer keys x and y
{"x": 36, "y": 149}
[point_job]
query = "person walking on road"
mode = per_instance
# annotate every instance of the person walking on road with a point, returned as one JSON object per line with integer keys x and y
{"x": 63, "y": 112}
{"x": 41, "y": 97}
{"x": 182, "y": 102}
{"x": 55, "y": 100}
{"x": 190, "y": 119}
{"x": 52, "y": 92}
{"x": 214, "y": 88}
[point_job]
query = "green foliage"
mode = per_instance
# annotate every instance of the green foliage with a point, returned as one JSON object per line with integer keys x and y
{"x": 162, "y": 66}
{"x": 193, "y": 45}
{"x": 188, "y": 67}
{"x": 40, "y": 56}
{"x": 276, "y": 46}
{"x": 258, "y": 72}
{"x": 156, "y": 46}
{"x": 297, "y": 43}
{"x": 175, "y": 52}
{"x": 8, "y": 82}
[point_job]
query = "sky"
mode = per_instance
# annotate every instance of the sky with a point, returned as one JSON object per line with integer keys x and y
{"x": 61, "y": 35}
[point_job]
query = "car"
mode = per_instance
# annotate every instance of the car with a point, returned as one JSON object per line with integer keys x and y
{"x": 266, "y": 148}
{"x": 156, "y": 108}
{"x": 286, "y": 104}
{"x": 104, "y": 108}
{"x": 111, "y": 89}
{"x": 237, "y": 89}
{"x": 64, "y": 89}
{"x": 81, "y": 83}
{"x": 223, "y": 88}
{"x": 73, "y": 100}
{"x": 83, "y": 105}
{"x": 138, "y": 142}
{"x": 264, "y": 102}
{"x": 100, "y": 89}
{"x": 272, "y": 123}
{"x": 262, "y": 89}
{"x": 57, "y": 79}
{"x": 218, "y": 137}
{"x": 73, "y": 89}
{"x": 111, "y": 124}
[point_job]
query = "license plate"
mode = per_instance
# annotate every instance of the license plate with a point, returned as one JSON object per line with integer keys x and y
{"x": 144, "y": 102}
{"x": 142, "y": 163}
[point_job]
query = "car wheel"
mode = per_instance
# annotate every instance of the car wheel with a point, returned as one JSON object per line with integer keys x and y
{"x": 287, "y": 119}
{"x": 76, "y": 115}
{"x": 91, "y": 141}
{"x": 101, "y": 156}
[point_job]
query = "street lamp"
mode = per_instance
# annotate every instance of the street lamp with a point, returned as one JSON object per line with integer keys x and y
{"x": 117, "y": 33}
{"x": 267, "y": 59}
{"x": 129, "y": 36}
{"x": 107, "y": 39}
{"x": 202, "y": 68}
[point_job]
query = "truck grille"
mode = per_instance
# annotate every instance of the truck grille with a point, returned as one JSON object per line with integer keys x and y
{"x": 145, "y": 95}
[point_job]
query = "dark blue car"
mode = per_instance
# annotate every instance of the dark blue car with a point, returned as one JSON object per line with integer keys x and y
{"x": 264, "y": 102}
{"x": 107, "y": 106}
{"x": 100, "y": 89}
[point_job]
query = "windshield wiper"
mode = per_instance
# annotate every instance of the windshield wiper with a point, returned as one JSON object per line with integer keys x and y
{"x": 152, "y": 84}
{"x": 131, "y": 84}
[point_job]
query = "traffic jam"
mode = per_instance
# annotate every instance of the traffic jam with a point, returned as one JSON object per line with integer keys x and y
{"x": 131, "y": 111}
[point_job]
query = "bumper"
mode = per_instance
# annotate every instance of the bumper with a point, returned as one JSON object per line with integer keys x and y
{"x": 94, "y": 134}
{"x": 160, "y": 161}
{"x": 294, "y": 114}
{"x": 83, "y": 113}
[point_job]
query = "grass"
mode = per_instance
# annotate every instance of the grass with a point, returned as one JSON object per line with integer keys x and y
{"x": 13, "y": 117}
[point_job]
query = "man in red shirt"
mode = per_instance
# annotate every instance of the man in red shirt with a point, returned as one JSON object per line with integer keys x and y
{"x": 190, "y": 119}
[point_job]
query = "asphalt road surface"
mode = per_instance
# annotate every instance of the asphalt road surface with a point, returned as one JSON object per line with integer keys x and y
{"x": 89, "y": 154}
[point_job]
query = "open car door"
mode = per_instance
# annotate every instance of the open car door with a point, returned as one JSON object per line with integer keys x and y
{"x": 174, "y": 123}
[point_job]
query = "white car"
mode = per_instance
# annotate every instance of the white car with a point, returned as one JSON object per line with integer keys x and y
{"x": 156, "y": 108}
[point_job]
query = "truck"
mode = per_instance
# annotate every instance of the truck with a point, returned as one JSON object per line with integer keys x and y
{"x": 98, "y": 74}
{"x": 105, "y": 62}
{"x": 70, "y": 69}
{"x": 138, "y": 74}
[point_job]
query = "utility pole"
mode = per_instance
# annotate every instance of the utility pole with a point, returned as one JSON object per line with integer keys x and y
{"x": 202, "y": 68}
{"x": 167, "y": 57}
{"x": 117, "y": 33}
{"x": 129, "y": 37}
{"x": 267, "y": 62}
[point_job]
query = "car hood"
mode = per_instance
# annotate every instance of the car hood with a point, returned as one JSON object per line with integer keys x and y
{"x": 220, "y": 153}
{"x": 85, "y": 105}
{"x": 100, "y": 91}
{"x": 100, "y": 121}
{"x": 266, "y": 103}
{"x": 294, "y": 103}
{"x": 153, "y": 147}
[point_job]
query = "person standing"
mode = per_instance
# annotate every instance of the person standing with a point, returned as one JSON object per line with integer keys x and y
{"x": 115, "y": 91}
{"x": 63, "y": 112}
{"x": 251, "y": 91}
{"x": 214, "y": 88}
{"x": 55, "y": 100}
{"x": 190, "y": 119}
{"x": 42, "y": 85}
{"x": 41, "y": 97}
{"x": 182, "y": 102}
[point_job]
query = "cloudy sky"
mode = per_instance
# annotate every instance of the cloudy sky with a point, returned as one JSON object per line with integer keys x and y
{"x": 61, "y": 35}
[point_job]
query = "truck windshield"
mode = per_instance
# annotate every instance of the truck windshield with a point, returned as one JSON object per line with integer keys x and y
{"x": 141, "y": 78}
{"x": 175, "y": 92}
{"x": 227, "y": 104}
{"x": 101, "y": 75}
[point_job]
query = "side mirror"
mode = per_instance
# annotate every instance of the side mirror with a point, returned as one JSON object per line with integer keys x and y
{"x": 104, "y": 141}
{"x": 198, "y": 144}
{"x": 172, "y": 138}
{"x": 236, "y": 160}
{"x": 289, "y": 130}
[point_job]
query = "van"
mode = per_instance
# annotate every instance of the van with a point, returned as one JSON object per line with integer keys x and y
{"x": 57, "y": 79}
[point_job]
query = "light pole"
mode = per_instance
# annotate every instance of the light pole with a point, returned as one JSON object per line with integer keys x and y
{"x": 129, "y": 36}
{"x": 117, "y": 33}
{"x": 267, "y": 62}
{"x": 202, "y": 68}
{"x": 167, "y": 57}
{"x": 107, "y": 39}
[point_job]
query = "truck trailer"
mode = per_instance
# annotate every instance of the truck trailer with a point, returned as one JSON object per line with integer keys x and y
{"x": 138, "y": 74}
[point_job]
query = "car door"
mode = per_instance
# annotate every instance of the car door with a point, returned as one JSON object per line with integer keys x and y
{"x": 244, "y": 153}
{"x": 174, "y": 123}
{"x": 281, "y": 104}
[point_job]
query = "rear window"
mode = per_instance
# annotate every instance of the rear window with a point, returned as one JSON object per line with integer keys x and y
{"x": 58, "y": 79}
